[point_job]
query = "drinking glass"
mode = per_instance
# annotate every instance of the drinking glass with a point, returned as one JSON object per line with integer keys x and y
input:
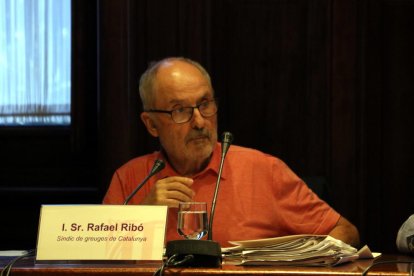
{"x": 192, "y": 220}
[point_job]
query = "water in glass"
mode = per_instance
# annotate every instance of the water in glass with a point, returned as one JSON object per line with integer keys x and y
{"x": 192, "y": 220}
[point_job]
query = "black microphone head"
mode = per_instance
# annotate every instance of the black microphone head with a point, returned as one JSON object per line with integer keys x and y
{"x": 227, "y": 138}
{"x": 158, "y": 166}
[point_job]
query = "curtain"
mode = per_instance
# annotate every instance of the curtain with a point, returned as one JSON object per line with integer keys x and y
{"x": 35, "y": 47}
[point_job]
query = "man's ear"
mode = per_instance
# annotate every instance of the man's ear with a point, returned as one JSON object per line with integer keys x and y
{"x": 149, "y": 123}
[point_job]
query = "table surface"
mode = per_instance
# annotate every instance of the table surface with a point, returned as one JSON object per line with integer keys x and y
{"x": 27, "y": 266}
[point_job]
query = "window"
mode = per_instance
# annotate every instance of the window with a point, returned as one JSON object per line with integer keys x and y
{"x": 35, "y": 62}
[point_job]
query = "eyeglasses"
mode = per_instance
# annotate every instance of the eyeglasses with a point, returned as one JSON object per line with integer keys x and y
{"x": 183, "y": 114}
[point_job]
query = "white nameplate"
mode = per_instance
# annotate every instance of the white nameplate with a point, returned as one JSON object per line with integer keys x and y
{"x": 101, "y": 232}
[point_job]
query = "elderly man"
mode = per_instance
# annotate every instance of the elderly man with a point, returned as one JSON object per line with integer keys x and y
{"x": 259, "y": 197}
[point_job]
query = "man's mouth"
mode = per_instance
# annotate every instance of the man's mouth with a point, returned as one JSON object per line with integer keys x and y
{"x": 198, "y": 139}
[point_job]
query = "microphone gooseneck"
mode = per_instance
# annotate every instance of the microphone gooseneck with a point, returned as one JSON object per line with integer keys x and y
{"x": 226, "y": 140}
{"x": 203, "y": 253}
{"x": 158, "y": 166}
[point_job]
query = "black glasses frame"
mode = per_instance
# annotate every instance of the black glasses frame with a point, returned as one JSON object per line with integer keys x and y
{"x": 170, "y": 112}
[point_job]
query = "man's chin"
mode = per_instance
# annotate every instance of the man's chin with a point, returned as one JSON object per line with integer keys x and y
{"x": 203, "y": 144}
{"x": 200, "y": 150}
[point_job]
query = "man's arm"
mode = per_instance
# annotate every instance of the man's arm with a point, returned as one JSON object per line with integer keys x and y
{"x": 346, "y": 232}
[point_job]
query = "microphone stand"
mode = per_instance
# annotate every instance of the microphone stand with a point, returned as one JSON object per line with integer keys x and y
{"x": 201, "y": 253}
{"x": 158, "y": 166}
{"x": 227, "y": 139}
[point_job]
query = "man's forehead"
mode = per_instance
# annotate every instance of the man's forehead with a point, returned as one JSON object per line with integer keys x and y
{"x": 191, "y": 99}
{"x": 181, "y": 86}
{"x": 178, "y": 70}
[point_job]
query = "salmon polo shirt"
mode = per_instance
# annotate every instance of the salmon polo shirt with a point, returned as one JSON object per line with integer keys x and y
{"x": 259, "y": 196}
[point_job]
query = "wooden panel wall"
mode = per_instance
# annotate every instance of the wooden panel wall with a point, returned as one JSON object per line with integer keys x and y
{"x": 386, "y": 117}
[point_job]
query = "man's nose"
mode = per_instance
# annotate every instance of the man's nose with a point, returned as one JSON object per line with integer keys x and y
{"x": 198, "y": 120}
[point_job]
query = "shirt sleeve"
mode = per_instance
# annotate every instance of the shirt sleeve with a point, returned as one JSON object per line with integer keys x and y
{"x": 115, "y": 193}
{"x": 301, "y": 210}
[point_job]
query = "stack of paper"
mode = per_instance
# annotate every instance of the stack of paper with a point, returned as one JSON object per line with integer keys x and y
{"x": 308, "y": 250}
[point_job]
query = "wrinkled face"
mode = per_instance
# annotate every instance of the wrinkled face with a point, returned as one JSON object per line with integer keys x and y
{"x": 180, "y": 84}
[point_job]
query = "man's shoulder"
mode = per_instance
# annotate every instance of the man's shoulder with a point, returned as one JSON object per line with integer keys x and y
{"x": 255, "y": 155}
{"x": 240, "y": 157}
{"x": 235, "y": 149}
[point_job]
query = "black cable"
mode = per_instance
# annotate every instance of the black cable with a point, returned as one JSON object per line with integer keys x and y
{"x": 173, "y": 262}
{"x": 388, "y": 262}
{"x": 7, "y": 269}
{"x": 160, "y": 270}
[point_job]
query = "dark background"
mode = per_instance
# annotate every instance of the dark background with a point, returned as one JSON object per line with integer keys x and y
{"x": 326, "y": 85}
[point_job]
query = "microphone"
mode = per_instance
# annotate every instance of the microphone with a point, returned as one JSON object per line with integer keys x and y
{"x": 405, "y": 236}
{"x": 158, "y": 166}
{"x": 226, "y": 140}
{"x": 201, "y": 253}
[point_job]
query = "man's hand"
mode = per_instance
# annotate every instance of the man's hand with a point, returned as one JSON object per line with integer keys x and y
{"x": 170, "y": 191}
